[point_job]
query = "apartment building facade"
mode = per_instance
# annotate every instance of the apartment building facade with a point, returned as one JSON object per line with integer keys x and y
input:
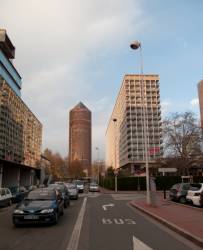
{"x": 20, "y": 130}
{"x": 125, "y": 143}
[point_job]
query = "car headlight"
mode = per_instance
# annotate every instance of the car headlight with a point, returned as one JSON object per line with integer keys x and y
{"x": 18, "y": 211}
{"x": 47, "y": 211}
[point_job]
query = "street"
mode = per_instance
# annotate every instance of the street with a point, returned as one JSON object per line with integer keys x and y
{"x": 94, "y": 222}
{"x": 37, "y": 237}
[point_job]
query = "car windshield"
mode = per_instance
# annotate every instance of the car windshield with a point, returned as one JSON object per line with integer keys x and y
{"x": 176, "y": 186}
{"x": 93, "y": 185}
{"x": 186, "y": 186}
{"x": 195, "y": 187}
{"x": 79, "y": 183}
{"x": 72, "y": 186}
{"x": 58, "y": 187}
{"x": 41, "y": 195}
{"x": 2, "y": 192}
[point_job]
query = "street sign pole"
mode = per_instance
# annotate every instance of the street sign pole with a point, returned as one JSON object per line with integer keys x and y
{"x": 166, "y": 170}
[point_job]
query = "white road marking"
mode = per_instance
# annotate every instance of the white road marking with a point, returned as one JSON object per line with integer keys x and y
{"x": 108, "y": 205}
{"x": 74, "y": 240}
{"x": 118, "y": 221}
{"x": 130, "y": 197}
{"x": 139, "y": 245}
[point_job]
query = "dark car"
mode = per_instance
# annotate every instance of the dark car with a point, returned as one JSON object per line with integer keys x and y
{"x": 201, "y": 199}
{"x": 18, "y": 193}
{"x": 179, "y": 191}
{"x": 40, "y": 206}
{"x": 64, "y": 191}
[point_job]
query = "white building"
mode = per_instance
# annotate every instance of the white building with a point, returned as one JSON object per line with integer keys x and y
{"x": 125, "y": 135}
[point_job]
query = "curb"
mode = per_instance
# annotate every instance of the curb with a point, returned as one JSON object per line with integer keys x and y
{"x": 185, "y": 205}
{"x": 198, "y": 241}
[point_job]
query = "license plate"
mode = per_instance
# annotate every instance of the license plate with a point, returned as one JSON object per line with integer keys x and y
{"x": 31, "y": 217}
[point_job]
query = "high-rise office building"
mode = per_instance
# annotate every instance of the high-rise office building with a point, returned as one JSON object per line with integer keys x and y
{"x": 20, "y": 130}
{"x": 200, "y": 94}
{"x": 80, "y": 136}
{"x": 125, "y": 147}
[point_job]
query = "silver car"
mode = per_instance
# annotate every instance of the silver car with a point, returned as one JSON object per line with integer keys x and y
{"x": 80, "y": 185}
{"x": 5, "y": 197}
{"x": 94, "y": 187}
{"x": 73, "y": 191}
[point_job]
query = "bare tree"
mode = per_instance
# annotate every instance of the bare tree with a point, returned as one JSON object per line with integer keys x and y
{"x": 75, "y": 170}
{"x": 57, "y": 163}
{"x": 182, "y": 139}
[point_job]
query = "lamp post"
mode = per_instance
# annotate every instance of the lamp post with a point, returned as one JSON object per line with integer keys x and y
{"x": 97, "y": 149}
{"x": 137, "y": 45}
{"x": 115, "y": 170}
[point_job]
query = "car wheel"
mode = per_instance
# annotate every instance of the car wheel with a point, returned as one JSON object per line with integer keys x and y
{"x": 56, "y": 218}
{"x": 182, "y": 200}
{"x": 65, "y": 204}
{"x": 9, "y": 203}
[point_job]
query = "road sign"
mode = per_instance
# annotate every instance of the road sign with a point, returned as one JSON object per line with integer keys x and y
{"x": 116, "y": 172}
{"x": 167, "y": 170}
{"x": 154, "y": 150}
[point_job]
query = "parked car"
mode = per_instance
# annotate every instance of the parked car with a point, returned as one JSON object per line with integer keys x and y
{"x": 94, "y": 187}
{"x": 5, "y": 197}
{"x": 80, "y": 185}
{"x": 40, "y": 206}
{"x": 31, "y": 188}
{"x": 201, "y": 199}
{"x": 18, "y": 193}
{"x": 179, "y": 191}
{"x": 193, "y": 195}
{"x": 73, "y": 191}
{"x": 64, "y": 191}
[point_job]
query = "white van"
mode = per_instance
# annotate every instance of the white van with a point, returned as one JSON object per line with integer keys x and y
{"x": 5, "y": 197}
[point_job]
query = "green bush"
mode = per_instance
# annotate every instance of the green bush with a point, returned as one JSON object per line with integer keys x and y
{"x": 107, "y": 183}
{"x": 132, "y": 183}
{"x": 166, "y": 182}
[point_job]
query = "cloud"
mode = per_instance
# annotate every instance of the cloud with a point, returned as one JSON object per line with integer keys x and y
{"x": 56, "y": 41}
{"x": 166, "y": 106}
{"x": 194, "y": 102}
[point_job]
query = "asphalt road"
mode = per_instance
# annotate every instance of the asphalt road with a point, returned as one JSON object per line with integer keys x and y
{"x": 118, "y": 225}
{"x": 54, "y": 237}
{"x": 94, "y": 222}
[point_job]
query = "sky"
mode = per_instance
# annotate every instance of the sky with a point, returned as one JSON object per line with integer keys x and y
{"x": 69, "y": 51}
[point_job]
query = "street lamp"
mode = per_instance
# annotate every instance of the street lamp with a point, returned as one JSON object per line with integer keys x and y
{"x": 115, "y": 170}
{"x": 137, "y": 45}
{"x": 97, "y": 149}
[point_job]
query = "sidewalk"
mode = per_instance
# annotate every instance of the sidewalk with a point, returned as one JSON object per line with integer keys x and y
{"x": 187, "y": 221}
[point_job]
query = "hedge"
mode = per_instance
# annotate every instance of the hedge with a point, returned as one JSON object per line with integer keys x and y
{"x": 139, "y": 183}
